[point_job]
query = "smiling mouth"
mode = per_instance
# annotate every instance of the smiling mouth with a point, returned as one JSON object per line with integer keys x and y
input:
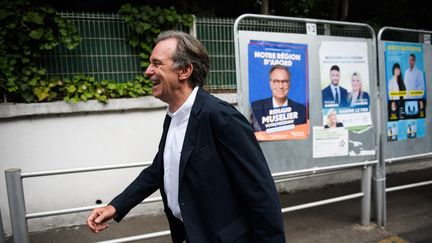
{"x": 155, "y": 82}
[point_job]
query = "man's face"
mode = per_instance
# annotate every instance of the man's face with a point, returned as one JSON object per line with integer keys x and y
{"x": 334, "y": 77}
{"x": 280, "y": 83}
{"x": 161, "y": 72}
{"x": 411, "y": 61}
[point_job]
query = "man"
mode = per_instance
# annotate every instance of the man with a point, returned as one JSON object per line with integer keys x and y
{"x": 284, "y": 110}
{"x": 334, "y": 95}
{"x": 212, "y": 175}
{"x": 392, "y": 133}
{"x": 414, "y": 79}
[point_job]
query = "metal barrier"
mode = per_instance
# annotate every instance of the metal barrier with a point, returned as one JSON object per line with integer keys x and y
{"x": 19, "y": 216}
{"x": 402, "y": 159}
{"x": 253, "y": 27}
{"x": 17, "y": 208}
{"x": 392, "y": 153}
{"x": 217, "y": 36}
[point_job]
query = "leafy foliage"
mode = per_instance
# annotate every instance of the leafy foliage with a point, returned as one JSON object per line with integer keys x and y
{"x": 27, "y": 31}
{"x": 83, "y": 88}
{"x": 147, "y": 22}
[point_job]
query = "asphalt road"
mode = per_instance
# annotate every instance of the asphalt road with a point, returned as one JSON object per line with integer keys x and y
{"x": 409, "y": 218}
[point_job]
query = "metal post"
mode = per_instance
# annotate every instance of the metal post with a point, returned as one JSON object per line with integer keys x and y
{"x": 17, "y": 205}
{"x": 193, "y": 29}
{"x": 366, "y": 200}
{"x": 2, "y": 234}
{"x": 380, "y": 175}
{"x": 380, "y": 194}
{"x": 384, "y": 198}
{"x": 327, "y": 30}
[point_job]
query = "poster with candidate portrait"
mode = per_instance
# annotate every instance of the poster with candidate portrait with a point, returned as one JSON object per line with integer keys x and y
{"x": 344, "y": 74}
{"x": 406, "y": 90}
{"x": 278, "y": 90}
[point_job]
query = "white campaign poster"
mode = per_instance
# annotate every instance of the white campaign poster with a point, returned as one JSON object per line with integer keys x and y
{"x": 329, "y": 142}
{"x": 345, "y": 86}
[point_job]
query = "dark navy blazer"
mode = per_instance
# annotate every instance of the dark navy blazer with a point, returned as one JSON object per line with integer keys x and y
{"x": 226, "y": 191}
{"x": 261, "y": 108}
{"x": 328, "y": 98}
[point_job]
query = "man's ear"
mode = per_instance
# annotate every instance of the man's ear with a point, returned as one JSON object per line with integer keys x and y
{"x": 185, "y": 73}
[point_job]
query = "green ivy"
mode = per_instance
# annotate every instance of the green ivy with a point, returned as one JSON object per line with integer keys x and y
{"x": 83, "y": 88}
{"x": 25, "y": 32}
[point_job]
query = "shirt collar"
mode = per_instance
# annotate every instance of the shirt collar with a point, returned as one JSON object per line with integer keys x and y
{"x": 275, "y": 104}
{"x": 333, "y": 86}
{"x": 186, "y": 108}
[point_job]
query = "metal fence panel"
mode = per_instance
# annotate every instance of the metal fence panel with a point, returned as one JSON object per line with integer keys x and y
{"x": 217, "y": 36}
{"x": 104, "y": 51}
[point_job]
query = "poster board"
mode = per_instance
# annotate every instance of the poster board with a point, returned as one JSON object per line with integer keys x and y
{"x": 308, "y": 150}
{"x": 405, "y": 102}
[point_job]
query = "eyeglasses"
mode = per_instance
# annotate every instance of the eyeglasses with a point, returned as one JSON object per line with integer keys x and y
{"x": 284, "y": 82}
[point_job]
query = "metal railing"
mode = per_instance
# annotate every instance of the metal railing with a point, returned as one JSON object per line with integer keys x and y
{"x": 17, "y": 207}
{"x": 402, "y": 159}
{"x": 19, "y": 217}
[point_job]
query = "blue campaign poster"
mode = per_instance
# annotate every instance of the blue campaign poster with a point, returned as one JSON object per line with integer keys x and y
{"x": 278, "y": 89}
{"x": 263, "y": 55}
{"x": 406, "y": 89}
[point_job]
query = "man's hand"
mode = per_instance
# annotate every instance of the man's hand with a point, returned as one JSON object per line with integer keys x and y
{"x": 98, "y": 218}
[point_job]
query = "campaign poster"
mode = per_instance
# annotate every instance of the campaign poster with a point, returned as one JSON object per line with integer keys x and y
{"x": 278, "y": 90}
{"x": 406, "y": 90}
{"x": 345, "y": 84}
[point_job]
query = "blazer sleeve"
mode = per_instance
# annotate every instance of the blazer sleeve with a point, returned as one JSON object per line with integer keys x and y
{"x": 249, "y": 172}
{"x": 143, "y": 186}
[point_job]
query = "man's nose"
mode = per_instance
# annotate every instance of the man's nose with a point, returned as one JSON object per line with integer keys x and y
{"x": 149, "y": 70}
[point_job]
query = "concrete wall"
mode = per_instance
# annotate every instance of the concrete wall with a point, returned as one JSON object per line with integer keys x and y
{"x": 39, "y": 137}
{"x": 58, "y": 135}
{"x": 69, "y": 140}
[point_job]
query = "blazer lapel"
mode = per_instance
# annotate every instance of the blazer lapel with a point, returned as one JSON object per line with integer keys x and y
{"x": 160, "y": 154}
{"x": 166, "y": 125}
{"x": 191, "y": 130}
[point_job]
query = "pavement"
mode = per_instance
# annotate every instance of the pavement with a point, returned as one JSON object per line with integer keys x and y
{"x": 409, "y": 218}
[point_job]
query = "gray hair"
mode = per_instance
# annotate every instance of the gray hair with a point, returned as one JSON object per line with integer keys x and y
{"x": 189, "y": 51}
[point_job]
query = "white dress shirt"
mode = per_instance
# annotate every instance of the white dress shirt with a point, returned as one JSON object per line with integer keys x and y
{"x": 333, "y": 89}
{"x": 172, "y": 152}
{"x": 275, "y": 104}
{"x": 414, "y": 80}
